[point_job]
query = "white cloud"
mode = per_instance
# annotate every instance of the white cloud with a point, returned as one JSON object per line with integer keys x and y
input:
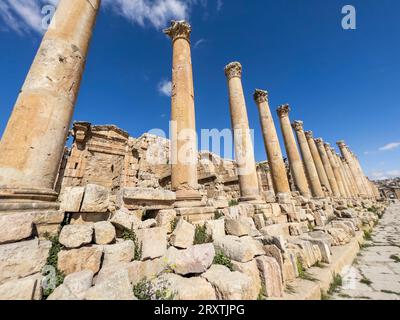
{"x": 165, "y": 88}
{"x": 220, "y": 4}
{"x": 390, "y": 146}
{"x": 199, "y": 42}
{"x": 382, "y": 175}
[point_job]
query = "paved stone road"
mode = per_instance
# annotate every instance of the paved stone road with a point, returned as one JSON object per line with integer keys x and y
{"x": 376, "y": 272}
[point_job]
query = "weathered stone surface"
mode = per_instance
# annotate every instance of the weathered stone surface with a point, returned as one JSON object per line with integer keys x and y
{"x": 183, "y": 235}
{"x": 123, "y": 220}
{"x": 235, "y": 248}
{"x": 274, "y": 252}
{"x": 71, "y": 199}
{"x": 149, "y": 223}
{"x": 237, "y": 227}
{"x": 275, "y": 230}
{"x": 118, "y": 253}
{"x": 250, "y": 269}
{"x": 104, "y": 232}
{"x": 259, "y": 221}
{"x": 230, "y": 285}
{"x": 28, "y": 288}
{"x": 321, "y": 235}
{"x": 165, "y": 218}
{"x": 340, "y": 237}
{"x": 116, "y": 287}
{"x": 75, "y": 260}
{"x": 324, "y": 248}
{"x": 271, "y": 276}
{"x": 96, "y": 199}
{"x": 146, "y": 195}
{"x": 153, "y": 242}
{"x": 183, "y": 288}
{"x": 77, "y": 235}
{"x": 15, "y": 227}
{"x": 62, "y": 293}
{"x": 194, "y": 260}
{"x": 215, "y": 228}
{"x": 22, "y": 259}
{"x": 79, "y": 282}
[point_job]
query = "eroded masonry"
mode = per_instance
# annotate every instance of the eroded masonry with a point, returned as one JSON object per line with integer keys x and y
{"x": 100, "y": 220}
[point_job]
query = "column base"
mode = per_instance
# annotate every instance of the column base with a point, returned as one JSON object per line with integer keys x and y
{"x": 27, "y": 195}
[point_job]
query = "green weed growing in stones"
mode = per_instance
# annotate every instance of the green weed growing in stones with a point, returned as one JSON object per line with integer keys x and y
{"x": 222, "y": 259}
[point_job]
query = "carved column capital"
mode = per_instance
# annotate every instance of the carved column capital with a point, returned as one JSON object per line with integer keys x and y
{"x": 297, "y": 125}
{"x": 283, "y": 110}
{"x": 260, "y": 96}
{"x": 233, "y": 69}
{"x": 319, "y": 141}
{"x": 327, "y": 145}
{"x": 309, "y": 134}
{"x": 179, "y": 30}
{"x": 341, "y": 144}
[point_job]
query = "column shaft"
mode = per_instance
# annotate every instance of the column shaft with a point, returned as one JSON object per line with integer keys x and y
{"x": 33, "y": 142}
{"x": 183, "y": 138}
{"x": 336, "y": 172}
{"x": 244, "y": 152}
{"x": 308, "y": 161}
{"x": 350, "y": 176}
{"x": 339, "y": 165}
{"x": 271, "y": 143}
{"x": 296, "y": 165}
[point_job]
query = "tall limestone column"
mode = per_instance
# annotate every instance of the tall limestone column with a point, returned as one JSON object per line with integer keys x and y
{"x": 364, "y": 177}
{"x": 341, "y": 172}
{"x": 296, "y": 165}
{"x": 346, "y": 179}
{"x": 336, "y": 170}
{"x": 328, "y": 168}
{"x": 353, "y": 168}
{"x": 244, "y": 151}
{"x": 323, "y": 178}
{"x": 271, "y": 142}
{"x": 350, "y": 177}
{"x": 308, "y": 160}
{"x": 183, "y": 138}
{"x": 33, "y": 142}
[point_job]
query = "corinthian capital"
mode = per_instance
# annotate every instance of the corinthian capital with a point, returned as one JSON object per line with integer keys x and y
{"x": 179, "y": 29}
{"x": 341, "y": 144}
{"x": 283, "y": 110}
{"x": 232, "y": 70}
{"x": 319, "y": 141}
{"x": 309, "y": 134}
{"x": 260, "y": 96}
{"x": 297, "y": 125}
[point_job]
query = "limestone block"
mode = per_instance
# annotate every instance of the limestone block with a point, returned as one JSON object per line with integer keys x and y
{"x": 15, "y": 227}
{"x": 250, "y": 269}
{"x": 340, "y": 237}
{"x": 269, "y": 196}
{"x": 149, "y": 223}
{"x": 75, "y": 260}
{"x": 271, "y": 276}
{"x": 194, "y": 260}
{"x": 165, "y": 218}
{"x": 122, "y": 219}
{"x": 28, "y": 288}
{"x": 324, "y": 248}
{"x": 118, "y": 253}
{"x": 153, "y": 242}
{"x": 215, "y": 228}
{"x": 230, "y": 285}
{"x": 321, "y": 235}
{"x": 236, "y": 248}
{"x": 22, "y": 259}
{"x": 104, "y": 232}
{"x": 275, "y": 230}
{"x": 115, "y": 287}
{"x": 75, "y": 236}
{"x": 276, "y": 209}
{"x": 284, "y": 198}
{"x": 148, "y": 195}
{"x": 71, "y": 199}
{"x": 96, "y": 199}
{"x": 79, "y": 282}
{"x": 259, "y": 221}
{"x": 183, "y": 235}
{"x": 183, "y": 288}
{"x": 62, "y": 293}
{"x": 237, "y": 227}
{"x": 274, "y": 252}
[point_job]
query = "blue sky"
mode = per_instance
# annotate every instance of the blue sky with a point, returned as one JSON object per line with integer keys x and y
{"x": 344, "y": 84}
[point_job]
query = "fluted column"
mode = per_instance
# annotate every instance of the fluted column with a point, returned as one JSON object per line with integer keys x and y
{"x": 271, "y": 143}
{"x": 341, "y": 172}
{"x": 346, "y": 179}
{"x": 244, "y": 151}
{"x": 328, "y": 168}
{"x": 308, "y": 161}
{"x": 336, "y": 171}
{"x": 33, "y": 142}
{"x": 350, "y": 176}
{"x": 296, "y": 165}
{"x": 183, "y": 138}
{"x": 363, "y": 176}
{"x": 323, "y": 178}
{"x": 353, "y": 168}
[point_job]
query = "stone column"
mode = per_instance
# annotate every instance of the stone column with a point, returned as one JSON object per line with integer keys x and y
{"x": 183, "y": 138}
{"x": 271, "y": 143}
{"x": 328, "y": 168}
{"x": 296, "y": 166}
{"x": 336, "y": 171}
{"x": 318, "y": 162}
{"x": 341, "y": 172}
{"x": 350, "y": 176}
{"x": 353, "y": 168}
{"x": 363, "y": 176}
{"x": 244, "y": 153}
{"x": 308, "y": 161}
{"x": 32, "y": 145}
{"x": 346, "y": 178}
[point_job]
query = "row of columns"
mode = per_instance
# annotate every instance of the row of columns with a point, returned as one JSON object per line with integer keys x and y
{"x": 32, "y": 144}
